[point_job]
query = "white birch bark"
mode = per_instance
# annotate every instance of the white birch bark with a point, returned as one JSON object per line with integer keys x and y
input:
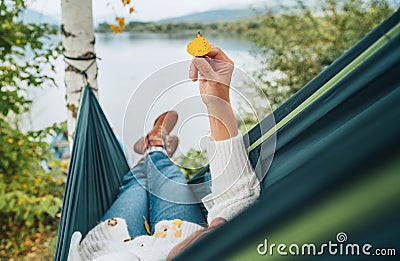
{"x": 78, "y": 41}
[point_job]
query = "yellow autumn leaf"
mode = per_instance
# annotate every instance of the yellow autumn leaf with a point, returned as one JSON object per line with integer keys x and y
{"x": 178, "y": 233}
{"x": 60, "y": 181}
{"x": 116, "y": 28}
{"x": 112, "y": 27}
{"x": 160, "y": 234}
{"x": 63, "y": 166}
{"x": 121, "y": 21}
{"x": 199, "y": 46}
{"x": 131, "y": 10}
{"x": 146, "y": 225}
{"x": 52, "y": 164}
{"x": 177, "y": 222}
{"x": 21, "y": 201}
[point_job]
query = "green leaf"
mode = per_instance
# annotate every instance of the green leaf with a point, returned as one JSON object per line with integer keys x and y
{"x": 52, "y": 211}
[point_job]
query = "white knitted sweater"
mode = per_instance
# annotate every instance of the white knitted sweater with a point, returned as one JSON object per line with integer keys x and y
{"x": 234, "y": 187}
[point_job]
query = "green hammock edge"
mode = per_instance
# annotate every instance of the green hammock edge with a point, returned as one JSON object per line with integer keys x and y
{"x": 332, "y": 82}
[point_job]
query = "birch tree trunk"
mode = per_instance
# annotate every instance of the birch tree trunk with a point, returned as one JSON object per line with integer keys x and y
{"x": 78, "y": 42}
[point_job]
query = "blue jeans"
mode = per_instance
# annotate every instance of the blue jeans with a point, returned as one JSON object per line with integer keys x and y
{"x": 156, "y": 190}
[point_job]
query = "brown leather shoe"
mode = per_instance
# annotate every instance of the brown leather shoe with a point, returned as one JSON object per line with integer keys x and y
{"x": 171, "y": 145}
{"x": 163, "y": 125}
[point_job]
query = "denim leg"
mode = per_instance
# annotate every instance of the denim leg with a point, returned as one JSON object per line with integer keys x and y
{"x": 170, "y": 197}
{"x": 132, "y": 202}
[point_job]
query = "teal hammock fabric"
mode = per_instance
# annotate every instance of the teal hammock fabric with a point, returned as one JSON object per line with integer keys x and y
{"x": 94, "y": 176}
{"x": 334, "y": 140}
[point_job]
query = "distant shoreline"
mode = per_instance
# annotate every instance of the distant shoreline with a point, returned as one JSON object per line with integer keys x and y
{"x": 242, "y": 27}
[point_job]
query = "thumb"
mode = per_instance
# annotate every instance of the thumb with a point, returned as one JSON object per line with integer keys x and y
{"x": 204, "y": 68}
{"x": 73, "y": 254}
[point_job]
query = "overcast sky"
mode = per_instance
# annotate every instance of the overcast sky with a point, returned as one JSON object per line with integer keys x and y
{"x": 146, "y": 10}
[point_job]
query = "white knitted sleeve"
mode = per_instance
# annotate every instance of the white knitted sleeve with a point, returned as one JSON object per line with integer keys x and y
{"x": 234, "y": 183}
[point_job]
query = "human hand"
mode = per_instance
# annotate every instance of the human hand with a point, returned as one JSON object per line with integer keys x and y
{"x": 73, "y": 254}
{"x": 215, "y": 71}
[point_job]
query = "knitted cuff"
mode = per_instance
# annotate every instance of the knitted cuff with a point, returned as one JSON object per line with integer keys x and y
{"x": 234, "y": 182}
{"x": 228, "y": 162}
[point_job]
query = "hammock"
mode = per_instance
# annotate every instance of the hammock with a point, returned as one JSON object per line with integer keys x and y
{"x": 340, "y": 128}
{"x": 94, "y": 176}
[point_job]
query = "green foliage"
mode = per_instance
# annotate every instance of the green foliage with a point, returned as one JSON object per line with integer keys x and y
{"x": 296, "y": 43}
{"x": 24, "y": 53}
{"x": 191, "y": 162}
{"x": 30, "y": 196}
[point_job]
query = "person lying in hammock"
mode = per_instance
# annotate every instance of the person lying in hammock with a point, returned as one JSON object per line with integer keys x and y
{"x": 156, "y": 190}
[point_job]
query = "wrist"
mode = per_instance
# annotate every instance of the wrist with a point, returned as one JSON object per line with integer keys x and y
{"x": 222, "y": 121}
{"x": 218, "y": 104}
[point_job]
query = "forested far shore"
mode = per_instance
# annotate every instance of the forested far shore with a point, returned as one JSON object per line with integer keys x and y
{"x": 236, "y": 27}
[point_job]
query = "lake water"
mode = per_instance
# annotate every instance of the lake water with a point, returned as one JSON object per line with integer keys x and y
{"x": 126, "y": 61}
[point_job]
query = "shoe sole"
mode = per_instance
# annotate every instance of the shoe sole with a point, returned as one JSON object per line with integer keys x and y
{"x": 140, "y": 147}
